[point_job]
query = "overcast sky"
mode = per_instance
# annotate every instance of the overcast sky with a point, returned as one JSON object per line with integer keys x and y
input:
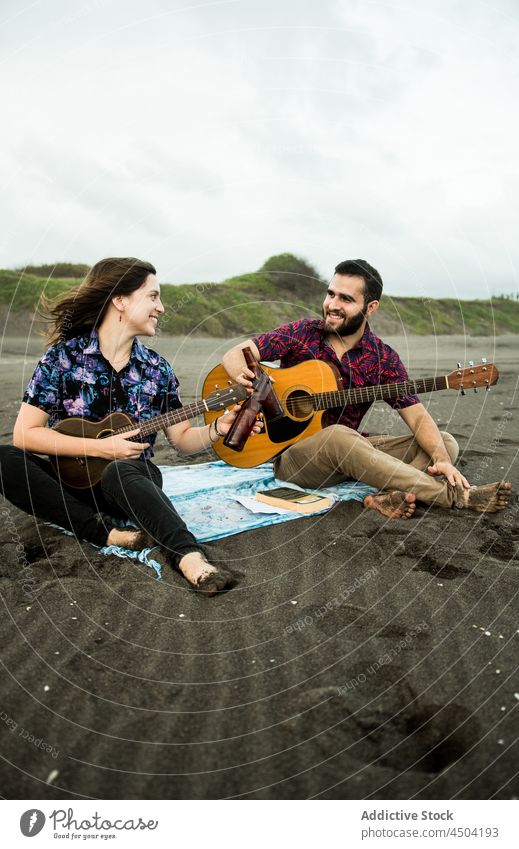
{"x": 206, "y": 137}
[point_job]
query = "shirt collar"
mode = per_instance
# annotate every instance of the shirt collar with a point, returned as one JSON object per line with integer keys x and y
{"x": 92, "y": 346}
{"x": 138, "y": 350}
{"x": 367, "y": 339}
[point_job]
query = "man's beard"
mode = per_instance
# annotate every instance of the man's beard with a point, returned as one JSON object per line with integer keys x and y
{"x": 348, "y": 327}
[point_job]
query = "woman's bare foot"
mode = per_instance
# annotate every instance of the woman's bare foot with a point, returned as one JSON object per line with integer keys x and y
{"x": 490, "y": 498}
{"x": 203, "y": 576}
{"x": 130, "y": 538}
{"x": 394, "y": 505}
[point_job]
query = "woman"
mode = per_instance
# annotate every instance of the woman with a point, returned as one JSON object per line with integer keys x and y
{"x": 95, "y": 366}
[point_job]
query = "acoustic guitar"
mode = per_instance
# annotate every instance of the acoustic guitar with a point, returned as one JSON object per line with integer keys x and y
{"x": 308, "y": 390}
{"x": 84, "y": 472}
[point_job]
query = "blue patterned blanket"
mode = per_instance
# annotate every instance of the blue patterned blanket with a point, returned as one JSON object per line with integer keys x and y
{"x": 205, "y": 496}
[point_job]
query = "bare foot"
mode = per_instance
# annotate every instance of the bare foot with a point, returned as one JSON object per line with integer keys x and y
{"x": 394, "y": 505}
{"x": 130, "y": 538}
{"x": 203, "y": 576}
{"x": 490, "y": 498}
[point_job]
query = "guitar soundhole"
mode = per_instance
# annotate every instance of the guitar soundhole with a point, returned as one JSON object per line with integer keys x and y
{"x": 300, "y": 411}
{"x": 104, "y": 433}
{"x": 299, "y": 405}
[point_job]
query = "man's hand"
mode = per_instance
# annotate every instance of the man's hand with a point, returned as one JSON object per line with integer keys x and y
{"x": 245, "y": 378}
{"x": 455, "y": 478}
{"x": 236, "y": 366}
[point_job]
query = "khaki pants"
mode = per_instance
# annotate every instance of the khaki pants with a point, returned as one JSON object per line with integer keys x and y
{"x": 338, "y": 453}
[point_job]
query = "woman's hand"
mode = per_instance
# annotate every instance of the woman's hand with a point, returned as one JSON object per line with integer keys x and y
{"x": 120, "y": 448}
{"x": 225, "y": 422}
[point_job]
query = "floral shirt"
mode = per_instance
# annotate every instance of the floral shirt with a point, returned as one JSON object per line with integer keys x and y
{"x": 73, "y": 378}
{"x": 369, "y": 363}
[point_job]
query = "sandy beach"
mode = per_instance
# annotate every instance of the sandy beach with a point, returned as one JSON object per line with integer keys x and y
{"x": 356, "y": 657}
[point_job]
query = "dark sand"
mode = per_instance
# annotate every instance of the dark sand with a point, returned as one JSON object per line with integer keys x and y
{"x": 402, "y": 688}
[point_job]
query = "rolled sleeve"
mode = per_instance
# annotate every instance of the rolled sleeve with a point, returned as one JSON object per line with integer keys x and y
{"x": 170, "y": 390}
{"x": 395, "y": 372}
{"x": 279, "y": 342}
{"x": 44, "y": 388}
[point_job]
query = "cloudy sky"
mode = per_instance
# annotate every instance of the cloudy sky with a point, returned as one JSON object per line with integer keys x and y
{"x": 206, "y": 137}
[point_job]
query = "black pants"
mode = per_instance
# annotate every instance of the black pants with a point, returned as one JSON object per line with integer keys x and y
{"x": 129, "y": 489}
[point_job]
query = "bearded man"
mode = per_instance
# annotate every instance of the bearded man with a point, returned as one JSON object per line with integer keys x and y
{"x": 419, "y": 465}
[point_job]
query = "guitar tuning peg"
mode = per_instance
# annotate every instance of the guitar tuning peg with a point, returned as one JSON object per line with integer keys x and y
{"x": 487, "y": 388}
{"x": 471, "y": 363}
{"x": 483, "y": 359}
{"x": 458, "y": 365}
{"x": 475, "y": 390}
{"x": 462, "y": 391}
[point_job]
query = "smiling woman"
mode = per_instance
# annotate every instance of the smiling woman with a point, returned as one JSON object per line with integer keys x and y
{"x": 96, "y": 366}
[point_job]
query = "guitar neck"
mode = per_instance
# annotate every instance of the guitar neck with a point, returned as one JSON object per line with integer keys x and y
{"x": 384, "y": 392}
{"x": 149, "y": 426}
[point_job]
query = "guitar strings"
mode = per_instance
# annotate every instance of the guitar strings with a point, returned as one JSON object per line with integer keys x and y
{"x": 362, "y": 394}
{"x": 317, "y": 400}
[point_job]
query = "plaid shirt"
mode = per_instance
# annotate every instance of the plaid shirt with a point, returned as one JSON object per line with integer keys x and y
{"x": 74, "y": 379}
{"x": 370, "y": 363}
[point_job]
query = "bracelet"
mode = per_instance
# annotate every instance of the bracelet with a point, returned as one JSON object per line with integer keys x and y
{"x": 211, "y": 440}
{"x": 221, "y": 435}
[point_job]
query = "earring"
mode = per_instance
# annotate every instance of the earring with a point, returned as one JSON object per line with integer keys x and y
{"x": 120, "y": 316}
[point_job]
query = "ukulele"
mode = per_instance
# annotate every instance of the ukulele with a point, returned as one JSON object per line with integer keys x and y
{"x": 308, "y": 390}
{"x": 84, "y": 472}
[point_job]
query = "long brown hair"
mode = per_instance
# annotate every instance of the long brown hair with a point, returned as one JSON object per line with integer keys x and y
{"x": 83, "y": 308}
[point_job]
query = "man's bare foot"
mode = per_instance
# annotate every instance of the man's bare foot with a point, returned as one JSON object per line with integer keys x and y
{"x": 130, "y": 538}
{"x": 394, "y": 505}
{"x": 490, "y": 498}
{"x": 203, "y": 576}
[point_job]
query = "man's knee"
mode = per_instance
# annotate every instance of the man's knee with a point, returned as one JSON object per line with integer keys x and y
{"x": 340, "y": 434}
{"x": 339, "y": 441}
{"x": 451, "y": 445}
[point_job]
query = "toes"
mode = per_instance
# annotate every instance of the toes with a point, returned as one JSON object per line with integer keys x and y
{"x": 215, "y": 582}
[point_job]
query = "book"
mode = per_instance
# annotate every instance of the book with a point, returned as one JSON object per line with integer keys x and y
{"x": 295, "y": 500}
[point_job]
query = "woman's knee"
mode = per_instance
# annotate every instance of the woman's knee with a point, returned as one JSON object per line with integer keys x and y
{"x": 451, "y": 445}
{"x": 120, "y": 471}
{"x": 10, "y": 458}
{"x": 10, "y": 451}
{"x": 115, "y": 472}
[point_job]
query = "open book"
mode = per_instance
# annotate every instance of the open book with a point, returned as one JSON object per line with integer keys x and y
{"x": 294, "y": 499}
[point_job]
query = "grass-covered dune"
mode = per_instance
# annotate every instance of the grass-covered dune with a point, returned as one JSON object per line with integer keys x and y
{"x": 283, "y": 289}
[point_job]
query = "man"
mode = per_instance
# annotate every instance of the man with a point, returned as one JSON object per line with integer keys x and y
{"x": 404, "y": 468}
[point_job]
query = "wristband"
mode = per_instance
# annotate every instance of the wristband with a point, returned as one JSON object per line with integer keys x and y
{"x": 211, "y": 440}
{"x": 220, "y": 435}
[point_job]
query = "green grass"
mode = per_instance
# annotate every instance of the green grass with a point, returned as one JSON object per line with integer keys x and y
{"x": 440, "y": 316}
{"x": 251, "y": 303}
